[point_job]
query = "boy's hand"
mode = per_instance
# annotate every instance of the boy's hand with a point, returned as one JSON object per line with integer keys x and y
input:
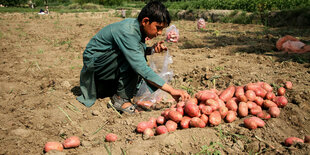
{"x": 178, "y": 93}
{"x": 159, "y": 47}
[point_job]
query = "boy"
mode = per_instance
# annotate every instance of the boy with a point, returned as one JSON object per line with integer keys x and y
{"x": 115, "y": 60}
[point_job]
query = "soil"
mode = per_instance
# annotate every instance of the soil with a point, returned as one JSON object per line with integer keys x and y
{"x": 41, "y": 58}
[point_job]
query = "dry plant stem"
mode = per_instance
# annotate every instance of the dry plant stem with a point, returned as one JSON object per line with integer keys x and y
{"x": 65, "y": 113}
{"x": 266, "y": 143}
{"x": 99, "y": 128}
{"x": 114, "y": 109}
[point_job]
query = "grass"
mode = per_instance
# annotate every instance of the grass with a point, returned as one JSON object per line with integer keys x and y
{"x": 211, "y": 149}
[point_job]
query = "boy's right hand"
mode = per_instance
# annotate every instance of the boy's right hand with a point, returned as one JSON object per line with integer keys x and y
{"x": 159, "y": 47}
{"x": 178, "y": 93}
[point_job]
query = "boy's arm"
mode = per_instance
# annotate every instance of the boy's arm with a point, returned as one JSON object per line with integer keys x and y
{"x": 175, "y": 93}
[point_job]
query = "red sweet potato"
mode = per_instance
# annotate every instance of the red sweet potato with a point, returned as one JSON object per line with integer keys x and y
{"x": 228, "y": 93}
{"x": 197, "y": 122}
{"x": 53, "y": 146}
{"x": 268, "y": 104}
{"x": 207, "y": 110}
{"x": 153, "y": 122}
{"x": 267, "y": 87}
{"x": 205, "y": 94}
{"x": 180, "y": 104}
{"x": 281, "y": 101}
{"x": 223, "y": 111}
{"x": 250, "y": 123}
{"x": 291, "y": 140}
{"x": 243, "y": 109}
{"x": 192, "y": 100}
{"x": 71, "y": 142}
{"x": 148, "y": 132}
{"x": 160, "y": 120}
{"x": 215, "y": 118}
{"x": 251, "y": 86}
{"x": 239, "y": 91}
{"x": 111, "y": 137}
{"x": 191, "y": 110}
{"x": 232, "y": 105}
{"x": 212, "y": 103}
{"x": 242, "y": 98}
{"x": 270, "y": 96}
{"x": 143, "y": 125}
{"x": 281, "y": 91}
{"x": 231, "y": 116}
{"x": 171, "y": 125}
{"x": 259, "y": 100}
{"x": 185, "y": 122}
{"x": 250, "y": 95}
{"x": 175, "y": 116}
{"x": 263, "y": 115}
{"x": 256, "y": 110}
{"x": 288, "y": 85}
{"x": 259, "y": 91}
{"x": 274, "y": 111}
{"x": 204, "y": 118}
{"x": 161, "y": 130}
{"x": 251, "y": 104}
{"x": 259, "y": 122}
{"x": 180, "y": 110}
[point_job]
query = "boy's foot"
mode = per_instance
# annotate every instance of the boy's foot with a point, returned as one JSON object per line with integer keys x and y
{"x": 123, "y": 105}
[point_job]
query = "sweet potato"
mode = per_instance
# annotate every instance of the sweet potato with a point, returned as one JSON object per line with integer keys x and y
{"x": 256, "y": 110}
{"x": 259, "y": 122}
{"x": 267, "y": 87}
{"x": 288, "y": 85}
{"x": 175, "y": 116}
{"x": 281, "y": 91}
{"x": 161, "y": 130}
{"x": 160, "y": 120}
{"x": 153, "y": 122}
{"x": 53, "y": 146}
{"x": 171, "y": 125}
{"x": 270, "y": 96}
{"x": 148, "y": 133}
{"x": 243, "y": 109}
{"x": 231, "y": 116}
{"x": 281, "y": 101}
{"x": 180, "y": 110}
{"x": 145, "y": 104}
{"x": 220, "y": 102}
{"x": 250, "y": 123}
{"x": 228, "y": 93}
{"x": 223, "y": 111}
{"x": 259, "y": 100}
{"x": 71, "y": 142}
{"x": 185, "y": 122}
{"x": 259, "y": 91}
{"x": 204, "y": 118}
{"x": 205, "y": 94}
{"x": 142, "y": 126}
{"x": 291, "y": 140}
{"x": 251, "y": 104}
{"x": 215, "y": 118}
{"x": 242, "y": 98}
{"x": 207, "y": 110}
{"x": 251, "y": 86}
{"x": 239, "y": 91}
{"x": 212, "y": 103}
{"x": 307, "y": 139}
{"x": 191, "y": 110}
{"x": 111, "y": 137}
{"x": 268, "y": 104}
{"x": 263, "y": 115}
{"x": 232, "y": 105}
{"x": 165, "y": 113}
{"x": 274, "y": 111}
{"x": 250, "y": 95}
{"x": 197, "y": 122}
{"x": 201, "y": 105}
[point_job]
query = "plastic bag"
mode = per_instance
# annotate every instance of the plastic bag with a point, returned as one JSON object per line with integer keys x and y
{"x": 201, "y": 23}
{"x": 160, "y": 65}
{"x": 291, "y": 44}
{"x": 172, "y": 34}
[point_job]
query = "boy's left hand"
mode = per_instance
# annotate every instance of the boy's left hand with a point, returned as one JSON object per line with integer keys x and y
{"x": 159, "y": 47}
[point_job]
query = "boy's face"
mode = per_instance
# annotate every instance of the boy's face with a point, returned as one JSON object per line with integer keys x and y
{"x": 153, "y": 29}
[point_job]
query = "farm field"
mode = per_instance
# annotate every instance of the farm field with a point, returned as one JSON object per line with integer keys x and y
{"x": 41, "y": 59}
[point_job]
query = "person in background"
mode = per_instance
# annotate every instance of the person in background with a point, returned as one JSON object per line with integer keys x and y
{"x": 115, "y": 60}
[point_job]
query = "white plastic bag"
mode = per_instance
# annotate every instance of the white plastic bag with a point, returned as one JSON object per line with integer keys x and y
{"x": 201, "y": 23}
{"x": 172, "y": 34}
{"x": 160, "y": 65}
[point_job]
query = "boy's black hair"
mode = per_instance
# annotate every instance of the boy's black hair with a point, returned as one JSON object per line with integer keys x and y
{"x": 155, "y": 11}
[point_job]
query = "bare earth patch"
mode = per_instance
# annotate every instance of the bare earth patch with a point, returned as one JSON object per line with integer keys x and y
{"x": 41, "y": 58}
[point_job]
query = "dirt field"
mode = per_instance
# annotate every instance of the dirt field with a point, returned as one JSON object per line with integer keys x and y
{"x": 41, "y": 58}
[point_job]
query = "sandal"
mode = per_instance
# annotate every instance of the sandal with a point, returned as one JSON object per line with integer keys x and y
{"x": 117, "y": 103}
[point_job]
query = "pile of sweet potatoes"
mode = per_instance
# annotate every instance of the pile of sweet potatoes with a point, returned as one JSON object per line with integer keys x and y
{"x": 212, "y": 107}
